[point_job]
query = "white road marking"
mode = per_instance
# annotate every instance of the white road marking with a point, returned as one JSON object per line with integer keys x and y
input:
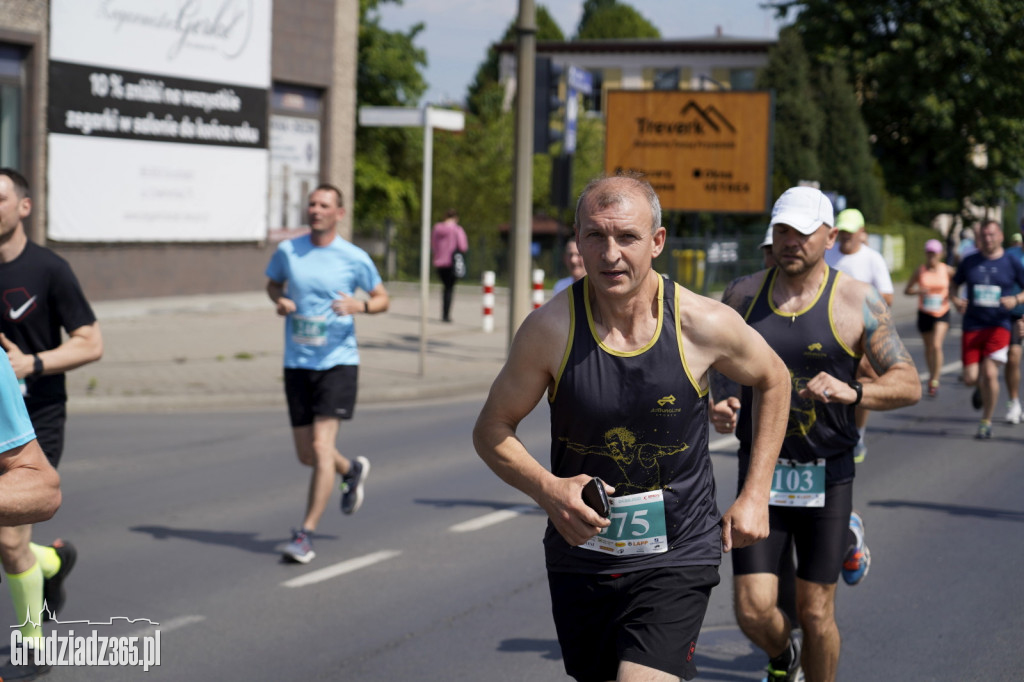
{"x": 167, "y": 626}
{"x": 492, "y": 518}
{"x": 341, "y": 568}
{"x": 951, "y": 367}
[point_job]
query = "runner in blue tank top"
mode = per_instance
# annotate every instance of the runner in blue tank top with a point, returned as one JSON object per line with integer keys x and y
{"x": 623, "y": 356}
{"x": 820, "y": 322}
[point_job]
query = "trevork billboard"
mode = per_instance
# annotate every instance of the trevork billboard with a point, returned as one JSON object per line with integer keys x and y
{"x": 702, "y": 151}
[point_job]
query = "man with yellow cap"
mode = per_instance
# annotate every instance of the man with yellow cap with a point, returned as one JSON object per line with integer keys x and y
{"x": 858, "y": 260}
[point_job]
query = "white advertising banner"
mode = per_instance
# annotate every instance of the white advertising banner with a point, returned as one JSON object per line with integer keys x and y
{"x": 159, "y": 192}
{"x": 294, "y": 168}
{"x": 222, "y": 40}
{"x": 157, "y": 119}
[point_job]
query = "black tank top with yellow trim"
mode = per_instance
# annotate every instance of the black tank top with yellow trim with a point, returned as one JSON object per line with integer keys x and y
{"x": 808, "y": 343}
{"x": 638, "y": 420}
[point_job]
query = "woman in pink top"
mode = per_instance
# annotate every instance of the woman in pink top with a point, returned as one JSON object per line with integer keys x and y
{"x": 931, "y": 284}
{"x": 447, "y": 238}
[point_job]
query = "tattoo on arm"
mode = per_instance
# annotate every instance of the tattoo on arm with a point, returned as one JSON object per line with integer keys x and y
{"x": 735, "y": 299}
{"x": 882, "y": 344}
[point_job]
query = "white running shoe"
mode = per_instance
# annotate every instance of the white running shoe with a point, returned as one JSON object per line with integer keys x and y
{"x": 1013, "y": 412}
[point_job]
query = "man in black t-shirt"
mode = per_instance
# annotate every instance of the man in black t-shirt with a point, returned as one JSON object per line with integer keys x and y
{"x": 39, "y": 295}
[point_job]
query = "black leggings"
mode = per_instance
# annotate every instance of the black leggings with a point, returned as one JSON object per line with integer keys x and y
{"x": 447, "y": 276}
{"x": 821, "y": 535}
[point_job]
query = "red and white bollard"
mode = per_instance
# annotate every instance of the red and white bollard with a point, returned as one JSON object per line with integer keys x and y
{"x": 488, "y": 280}
{"x": 538, "y": 288}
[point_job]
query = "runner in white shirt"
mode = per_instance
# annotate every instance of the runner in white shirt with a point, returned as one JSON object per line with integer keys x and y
{"x": 858, "y": 260}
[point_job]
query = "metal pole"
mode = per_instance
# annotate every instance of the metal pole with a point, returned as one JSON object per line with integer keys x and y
{"x": 522, "y": 205}
{"x": 428, "y": 186}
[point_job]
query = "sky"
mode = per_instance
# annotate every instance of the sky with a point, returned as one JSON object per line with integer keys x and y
{"x": 457, "y": 33}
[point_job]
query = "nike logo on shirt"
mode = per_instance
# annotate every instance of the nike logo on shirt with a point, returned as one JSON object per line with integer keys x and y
{"x": 15, "y": 313}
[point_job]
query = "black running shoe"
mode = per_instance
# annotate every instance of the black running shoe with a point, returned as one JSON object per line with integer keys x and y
{"x": 24, "y": 671}
{"x": 54, "y": 594}
{"x": 976, "y": 398}
{"x": 352, "y": 485}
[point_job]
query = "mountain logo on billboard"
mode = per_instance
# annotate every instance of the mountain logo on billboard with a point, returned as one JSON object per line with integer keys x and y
{"x": 693, "y": 120}
{"x": 712, "y": 116}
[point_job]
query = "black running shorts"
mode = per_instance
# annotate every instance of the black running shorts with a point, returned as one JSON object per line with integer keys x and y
{"x": 649, "y": 617}
{"x": 327, "y": 393}
{"x": 821, "y": 536}
{"x": 48, "y": 419}
{"x": 926, "y": 322}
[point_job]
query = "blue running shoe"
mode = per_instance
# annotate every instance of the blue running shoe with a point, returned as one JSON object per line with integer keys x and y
{"x": 300, "y": 549}
{"x": 858, "y": 558}
{"x": 984, "y": 431}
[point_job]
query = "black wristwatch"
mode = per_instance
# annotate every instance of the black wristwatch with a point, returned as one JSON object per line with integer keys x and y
{"x": 37, "y": 365}
{"x": 855, "y": 385}
{"x": 366, "y": 307}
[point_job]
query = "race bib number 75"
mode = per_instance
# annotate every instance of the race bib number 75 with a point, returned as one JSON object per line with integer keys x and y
{"x": 638, "y": 526}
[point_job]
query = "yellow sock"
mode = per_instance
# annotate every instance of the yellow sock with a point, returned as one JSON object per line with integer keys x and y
{"x": 48, "y": 559}
{"x": 27, "y": 595}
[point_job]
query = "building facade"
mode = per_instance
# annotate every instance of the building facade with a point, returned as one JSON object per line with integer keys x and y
{"x": 716, "y": 62}
{"x": 170, "y": 145}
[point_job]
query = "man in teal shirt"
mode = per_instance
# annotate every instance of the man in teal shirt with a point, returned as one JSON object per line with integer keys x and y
{"x": 312, "y": 281}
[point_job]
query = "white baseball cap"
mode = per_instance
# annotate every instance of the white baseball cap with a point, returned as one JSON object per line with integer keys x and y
{"x": 767, "y": 239}
{"x": 805, "y": 209}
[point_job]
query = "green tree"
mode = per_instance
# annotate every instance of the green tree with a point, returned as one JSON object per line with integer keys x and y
{"x": 939, "y": 83}
{"x": 388, "y": 160}
{"x": 845, "y": 150}
{"x": 607, "y": 19}
{"x": 486, "y": 95}
{"x": 473, "y": 174}
{"x": 798, "y": 118}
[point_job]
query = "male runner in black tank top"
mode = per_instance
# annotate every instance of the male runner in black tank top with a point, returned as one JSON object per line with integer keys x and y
{"x": 820, "y": 322}
{"x": 623, "y": 357}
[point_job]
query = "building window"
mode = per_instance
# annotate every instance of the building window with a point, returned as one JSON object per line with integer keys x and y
{"x": 742, "y": 79}
{"x": 666, "y": 79}
{"x": 11, "y": 61}
{"x": 295, "y": 116}
{"x": 592, "y": 102}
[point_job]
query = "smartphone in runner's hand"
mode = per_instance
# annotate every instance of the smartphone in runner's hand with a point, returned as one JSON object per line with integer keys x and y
{"x": 596, "y": 498}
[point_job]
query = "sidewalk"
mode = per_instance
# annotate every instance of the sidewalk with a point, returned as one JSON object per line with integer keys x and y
{"x": 224, "y": 351}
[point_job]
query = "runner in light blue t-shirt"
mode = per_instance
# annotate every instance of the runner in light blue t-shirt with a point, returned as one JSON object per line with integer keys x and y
{"x": 315, "y": 336}
{"x": 15, "y": 426}
{"x": 313, "y": 282}
{"x": 30, "y": 486}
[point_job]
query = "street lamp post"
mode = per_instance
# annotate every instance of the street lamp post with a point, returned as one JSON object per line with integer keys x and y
{"x": 428, "y": 118}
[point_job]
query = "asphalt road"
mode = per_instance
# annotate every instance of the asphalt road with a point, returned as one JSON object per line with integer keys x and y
{"x": 440, "y": 575}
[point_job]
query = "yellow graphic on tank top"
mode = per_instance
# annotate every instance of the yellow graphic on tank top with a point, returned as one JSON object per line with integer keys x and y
{"x": 802, "y": 411}
{"x": 621, "y": 446}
